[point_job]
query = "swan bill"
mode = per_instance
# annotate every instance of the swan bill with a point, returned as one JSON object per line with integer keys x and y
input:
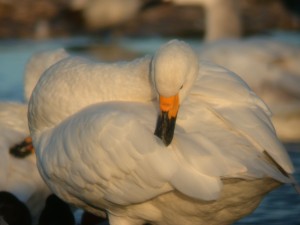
{"x": 166, "y": 121}
{"x": 23, "y": 149}
{"x": 165, "y": 127}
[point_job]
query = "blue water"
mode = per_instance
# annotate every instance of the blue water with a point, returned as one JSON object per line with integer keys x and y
{"x": 280, "y": 207}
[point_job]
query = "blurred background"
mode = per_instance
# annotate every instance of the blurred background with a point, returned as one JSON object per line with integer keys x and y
{"x": 111, "y": 30}
{"x": 124, "y": 29}
{"x": 45, "y": 19}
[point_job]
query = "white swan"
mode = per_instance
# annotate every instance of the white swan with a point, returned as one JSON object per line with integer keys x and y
{"x": 93, "y": 128}
{"x": 100, "y": 14}
{"x": 19, "y": 174}
{"x": 222, "y": 17}
{"x": 270, "y": 67}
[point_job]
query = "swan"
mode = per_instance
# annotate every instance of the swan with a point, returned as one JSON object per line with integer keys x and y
{"x": 19, "y": 174}
{"x": 222, "y": 18}
{"x": 101, "y": 14}
{"x": 166, "y": 139}
{"x": 270, "y": 67}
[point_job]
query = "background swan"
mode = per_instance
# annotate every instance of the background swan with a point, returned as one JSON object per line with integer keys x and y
{"x": 96, "y": 121}
{"x": 222, "y": 17}
{"x": 37, "y": 64}
{"x": 101, "y": 14}
{"x": 270, "y": 67}
{"x": 20, "y": 176}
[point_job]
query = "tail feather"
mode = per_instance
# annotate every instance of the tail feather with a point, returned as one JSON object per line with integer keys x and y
{"x": 295, "y": 184}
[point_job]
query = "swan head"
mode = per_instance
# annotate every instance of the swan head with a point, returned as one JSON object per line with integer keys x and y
{"x": 174, "y": 69}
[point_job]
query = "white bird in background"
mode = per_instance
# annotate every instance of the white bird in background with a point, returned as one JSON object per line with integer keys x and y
{"x": 272, "y": 70}
{"x": 100, "y": 147}
{"x": 19, "y": 174}
{"x": 270, "y": 67}
{"x": 39, "y": 63}
{"x": 100, "y": 14}
{"x": 222, "y": 17}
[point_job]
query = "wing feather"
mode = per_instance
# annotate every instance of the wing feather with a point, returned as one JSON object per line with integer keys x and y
{"x": 112, "y": 151}
{"x": 234, "y": 129}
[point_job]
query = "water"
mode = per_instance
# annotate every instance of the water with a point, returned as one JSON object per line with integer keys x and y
{"x": 281, "y": 206}
{"x": 13, "y": 57}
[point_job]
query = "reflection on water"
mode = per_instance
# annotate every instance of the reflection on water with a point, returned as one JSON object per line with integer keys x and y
{"x": 281, "y": 206}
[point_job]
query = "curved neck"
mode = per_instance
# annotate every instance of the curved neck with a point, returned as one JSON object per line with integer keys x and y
{"x": 76, "y": 83}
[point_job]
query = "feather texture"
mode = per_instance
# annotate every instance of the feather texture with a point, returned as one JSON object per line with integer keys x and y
{"x": 93, "y": 123}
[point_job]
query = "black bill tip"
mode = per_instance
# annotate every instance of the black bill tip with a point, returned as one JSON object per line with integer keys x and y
{"x": 165, "y": 127}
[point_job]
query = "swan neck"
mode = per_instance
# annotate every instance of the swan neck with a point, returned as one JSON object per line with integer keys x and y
{"x": 222, "y": 20}
{"x": 76, "y": 83}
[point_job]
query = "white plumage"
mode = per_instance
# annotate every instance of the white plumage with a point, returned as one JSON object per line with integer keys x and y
{"x": 272, "y": 70}
{"x": 20, "y": 176}
{"x": 92, "y": 125}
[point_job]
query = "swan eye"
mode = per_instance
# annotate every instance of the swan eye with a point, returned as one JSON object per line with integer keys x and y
{"x": 181, "y": 87}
